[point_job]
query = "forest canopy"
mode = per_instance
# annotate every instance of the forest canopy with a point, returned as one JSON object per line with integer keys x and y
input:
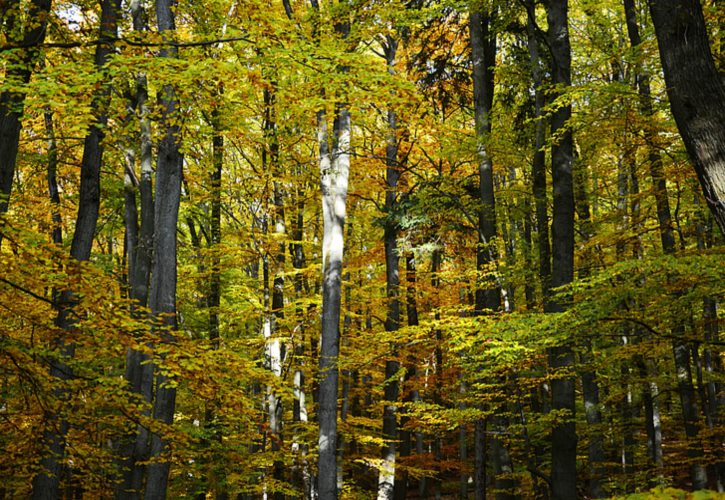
{"x": 361, "y": 249}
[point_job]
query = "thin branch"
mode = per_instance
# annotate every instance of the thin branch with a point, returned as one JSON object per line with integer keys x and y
{"x": 32, "y": 294}
{"x": 133, "y": 43}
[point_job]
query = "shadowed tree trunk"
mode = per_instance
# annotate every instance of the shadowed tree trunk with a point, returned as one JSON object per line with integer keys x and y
{"x": 139, "y": 373}
{"x": 162, "y": 294}
{"x": 699, "y": 111}
{"x": 386, "y": 479}
{"x": 696, "y": 91}
{"x": 651, "y": 406}
{"x": 12, "y": 102}
{"x": 488, "y": 290}
{"x": 275, "y": 350}
{"x": 590, "y": 384}
{"x": 538, "y": 166}
{"x": 564, "y": 438}
{"x": 46, "y": 483}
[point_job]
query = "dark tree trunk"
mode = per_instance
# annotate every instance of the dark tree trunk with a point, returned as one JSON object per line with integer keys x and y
{"x": 538, "y": 166}
{"x": 564, "y": 438}
{"x": 699, "y": 112}
{"x": 216, "y": 481}
{"x": 275, "y": 349}
{"x": 12, "y": 102}
{"x": 53, "y": 193}
{"x": 139, "y": 373}
{"x": 483, "y": 54}
{"x": 47, "y": 483}
{"x": 696, "y": 91}
{"x": 488, "y": 289}
{"x": 411, "y": 374}
{"x": 590, "y": 384}
{"x": 162, "y": 294}
{"x": 386, "y": 479}
{"x": 652, "y": 418}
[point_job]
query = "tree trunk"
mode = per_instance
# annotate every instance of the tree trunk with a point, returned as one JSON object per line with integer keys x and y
{"x": 590, "y": 384}
{"x": 488, "y": 294}
{"x": 299, "y": 407}
{"x": 696, "y": 91}
{"x": 411, "y": 313}
{"x": 139, "y": 373}
{"x": 651, "y": 406}
{"x": 436, "y": 259}
{"x": 13, "y": 102}
{"x": 538, "y": 166}
{"x": 386, "y": 478}
{"x": 162, "y": 295}
{"x": 275, "y": 350}
{"x": 46, "y": 484}
{"x": 564, "y": 438}
{"x": 334, "y": 173}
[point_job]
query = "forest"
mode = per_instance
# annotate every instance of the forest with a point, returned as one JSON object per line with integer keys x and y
{"x": 362, "y": 249}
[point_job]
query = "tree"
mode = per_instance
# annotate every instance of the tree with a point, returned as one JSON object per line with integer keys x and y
{"x": 222, "y": 331}
{"x": 334, "y": 174}
{"x": 19, "y": 71}
{"x": 162, "y": 292}
{"x": 699, "y": 108}
{"x": 564, "y": 438}
{"x": 47, "y": 483}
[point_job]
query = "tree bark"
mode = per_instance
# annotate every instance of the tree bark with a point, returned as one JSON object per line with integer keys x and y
{"x": 652, "y": 418}
{"x": 162, "y": 294}
{"x": 275, "y": 350}
{"x": 139, "y": 373}
{"x": 590, "y": 383}
{"x": 386, "y": 478}
{"x": 13, "y": 102}
{"x": 538, "y": 165}
{"x": 46, "y": 484}
{"x": 564, "y": 438}
{"x": 696, "y": 92}
{"x": 488, "y": 290}
{"x": 334, "y": 172}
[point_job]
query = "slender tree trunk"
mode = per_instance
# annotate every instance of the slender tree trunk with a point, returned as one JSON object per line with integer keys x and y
{"x": 46, "y": 484}
{"x": 711, "y": 362}
{"x": 488, "y": 294}
{"x": 625, "y": 404}
{"x": 411, "y": 313}
{"x": 12, "y": 102}
{"x": 213, "y": 298}
{"x": 538, "y": 166}
{"x": 334, "y": 173}
{"x": 696, "y": 91}
{"x": 564, "y": 438}
{"x": 652, "y": 419}
{"x": 435, "y": 281}
{"x": 139, "y": 373}
{"x": 590, "y": 384}
{"x": 334, "y": 170}
{"x": 275, "y": 350}
{"x": 386, "y": 479}
{"x": 53, "y": 193}
{"x": 685, "y": 60}
{"x": 299, "y": 408}
{"x": 162, "y": 294}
